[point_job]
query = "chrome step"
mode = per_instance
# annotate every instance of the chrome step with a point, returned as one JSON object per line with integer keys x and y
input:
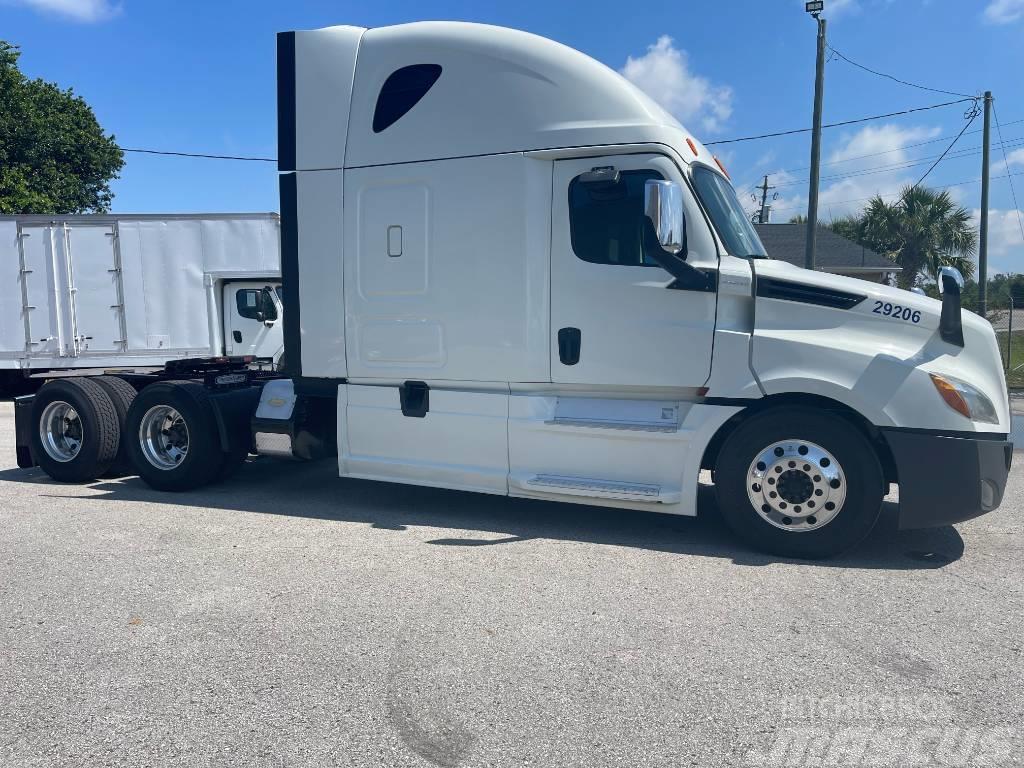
{"x": 631, "y": 426}
{"x": 605, "y": 489}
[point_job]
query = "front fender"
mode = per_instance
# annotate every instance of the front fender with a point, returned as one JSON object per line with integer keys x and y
{"x": 877, "y": 365}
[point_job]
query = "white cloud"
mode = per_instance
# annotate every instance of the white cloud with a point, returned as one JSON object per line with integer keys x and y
{"x": 1004, "y": 11}
{"x": 664, "y": 74}
{"x": 872, "y": 140}
{"x": 865, "y": 177}
{"x": 887, "y": 145}
{"x": 76, "y": 10}
{"x": 1016, "y": 157}
{"x": 1005, "y": 241}
{"x": 1004, "y": 233}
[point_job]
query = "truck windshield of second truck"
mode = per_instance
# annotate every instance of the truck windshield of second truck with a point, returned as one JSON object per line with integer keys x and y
{"x": 729, "y": 218}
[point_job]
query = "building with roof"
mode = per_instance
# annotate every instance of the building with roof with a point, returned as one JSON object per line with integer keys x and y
{"x": 834, "y": 253}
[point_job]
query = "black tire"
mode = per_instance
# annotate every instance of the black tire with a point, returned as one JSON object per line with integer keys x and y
{"x": 853, "y": 453}
{"x": 96, "y": 429}
{"x": 204, "y": 458}
{"x": 121, "y": 394}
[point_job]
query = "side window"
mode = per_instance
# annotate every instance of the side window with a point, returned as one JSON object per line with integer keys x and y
{"x": 401, "y": 92}
{"x": 248, "y": 302}
{"x": 605, "y": 219}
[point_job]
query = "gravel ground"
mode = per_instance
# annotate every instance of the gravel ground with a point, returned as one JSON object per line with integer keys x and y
{"x": 289, "y": 618}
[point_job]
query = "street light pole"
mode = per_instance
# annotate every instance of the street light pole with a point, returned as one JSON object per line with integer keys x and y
{"x": 815, "y": 9}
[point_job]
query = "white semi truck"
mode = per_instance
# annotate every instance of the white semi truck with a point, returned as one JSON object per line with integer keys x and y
{"x": 134, "y": 291}
{"x": 507, "y": 270}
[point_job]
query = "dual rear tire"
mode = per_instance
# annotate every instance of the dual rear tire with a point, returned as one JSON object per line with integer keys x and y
{"x": 171, "y": 433}
{"x": 77, "y": 433}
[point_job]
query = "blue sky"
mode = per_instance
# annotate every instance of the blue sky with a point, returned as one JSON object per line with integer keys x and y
{"x": 199, "y": 77}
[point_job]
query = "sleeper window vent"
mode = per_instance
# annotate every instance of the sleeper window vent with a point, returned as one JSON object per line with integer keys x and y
{"x": 401, "y": 92}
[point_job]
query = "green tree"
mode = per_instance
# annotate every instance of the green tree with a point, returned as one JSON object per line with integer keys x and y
{"x": 54, "y": 156}
{"x": 921, "y": 231}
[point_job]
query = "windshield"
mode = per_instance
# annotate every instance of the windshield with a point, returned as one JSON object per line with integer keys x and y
{"x": 733, "y": 226}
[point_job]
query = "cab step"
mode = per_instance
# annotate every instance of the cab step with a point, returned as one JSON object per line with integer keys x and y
{"x": 602, "y": 489}
{"x": 631, "y": 426}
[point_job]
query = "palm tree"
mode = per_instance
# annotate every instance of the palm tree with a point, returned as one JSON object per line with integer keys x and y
{"x": 921, "y": 231}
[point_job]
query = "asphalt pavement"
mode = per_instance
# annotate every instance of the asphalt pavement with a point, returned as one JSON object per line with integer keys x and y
{"x": 291, "y": 618}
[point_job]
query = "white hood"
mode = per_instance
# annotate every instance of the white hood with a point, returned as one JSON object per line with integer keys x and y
{"x": 870, "y": 346}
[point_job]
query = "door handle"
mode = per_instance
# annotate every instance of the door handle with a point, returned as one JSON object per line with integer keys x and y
{"x": 237, "y": 335}
{"x": 569, "y": 342}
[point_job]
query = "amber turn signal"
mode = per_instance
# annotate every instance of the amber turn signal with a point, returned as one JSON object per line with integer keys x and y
{"x": 950, "y": 394}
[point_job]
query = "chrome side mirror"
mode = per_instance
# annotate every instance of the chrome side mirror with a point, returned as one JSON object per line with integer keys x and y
{"x": 663, "y": 205}
{"x": 950, "y": 273}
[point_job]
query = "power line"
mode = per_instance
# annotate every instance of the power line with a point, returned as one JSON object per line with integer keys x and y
{"x": 209, "y": 156}
{"x": 848, "y": 60}
{"x": 839, "y": 124}
{"x": 900, "y": 166}
{"x": 971, "y": 119}
{"x": 197, "y": 154}
{"x": 1006, "y": 164}
{"x": 896, "y": 149}
{"x": 897, "y": 194}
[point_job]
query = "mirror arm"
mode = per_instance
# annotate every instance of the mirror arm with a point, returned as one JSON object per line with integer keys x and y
{"x": 687, "y": 276}
{"x": 951, "y": 327}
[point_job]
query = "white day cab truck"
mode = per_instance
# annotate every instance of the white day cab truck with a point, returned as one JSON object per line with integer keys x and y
{"x": 131, "y": 291}
{"x": 506, "y": 270}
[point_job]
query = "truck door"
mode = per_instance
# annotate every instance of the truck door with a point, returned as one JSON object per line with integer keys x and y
{"x": 251, "y": 327}
{"x": 614, "y": 320}
{"x": 95, "y": 276}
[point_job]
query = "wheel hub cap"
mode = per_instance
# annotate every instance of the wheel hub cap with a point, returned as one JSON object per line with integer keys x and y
{"x": 163, "y": 436}
{"x": 60, "y": 431}
{"x": 796, "y": 485}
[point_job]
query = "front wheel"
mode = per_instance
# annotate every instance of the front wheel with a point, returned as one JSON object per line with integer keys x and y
{"x": 799, "y": 482}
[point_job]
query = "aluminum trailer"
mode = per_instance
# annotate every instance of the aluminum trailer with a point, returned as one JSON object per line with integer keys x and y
{"x": 132, "y": 291}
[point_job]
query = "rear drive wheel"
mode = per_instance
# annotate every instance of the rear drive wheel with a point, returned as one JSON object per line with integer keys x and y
{"x": 121, "y": 394}
{"x": 171, "y": 436}
{"x": 76, "y": 435}
{"x": 799, "y": 482}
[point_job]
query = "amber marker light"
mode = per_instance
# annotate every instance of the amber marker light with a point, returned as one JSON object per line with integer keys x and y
{"x": 719, "y": 162}
{"x": 693, "y": 147}
{"x": 950, "y": 394}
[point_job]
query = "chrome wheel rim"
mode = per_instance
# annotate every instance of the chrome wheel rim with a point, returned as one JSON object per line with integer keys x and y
{"x": 796, "y": 486}
{"x": 60, "y": 431}
{"x": 163, "y": 435}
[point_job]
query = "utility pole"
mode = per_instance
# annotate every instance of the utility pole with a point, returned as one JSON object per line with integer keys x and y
{"x": 762, "y": 215}
{"x": 815, "y": 8}
{"x": 983, "y": 229}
